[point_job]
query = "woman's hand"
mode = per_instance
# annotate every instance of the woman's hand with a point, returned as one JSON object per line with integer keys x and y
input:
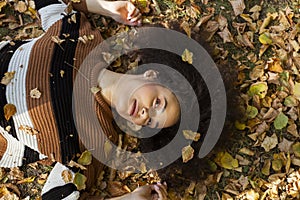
{"x": 121, "y": 11}
{"x": 150, "y": 192}
{"x": 126, "y": 13}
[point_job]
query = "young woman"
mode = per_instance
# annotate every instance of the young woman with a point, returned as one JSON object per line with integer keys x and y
{"x": 36, "y": 122}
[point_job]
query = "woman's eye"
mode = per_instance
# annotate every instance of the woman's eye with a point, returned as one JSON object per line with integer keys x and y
{"x": 157, "y": 103}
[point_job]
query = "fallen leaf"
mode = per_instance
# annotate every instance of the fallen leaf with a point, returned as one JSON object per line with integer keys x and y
{"x": 67, "y": 176}
{"x": 187, "y": 56}
{"x": 238, "y": 6}
{"x": 27, "y": 180}
{"x": 77, "y": 165}
{"x": 280, "y": 121}
{"x": 187, "y": 153}
{"x": 285, "y": 145}
{"x": 270, "y": 142}
{"x": 9, "y": 111}
{"x": 225, "y": 160}
{"x": 251, "y": 112}
{"x": 258, "y": 88}
{"x": 8, "y": 76}
{"x": 290, "y": 101}
{"x": 226, "y": 35}
{"x": 266, "y": 168}
{"x": 2, "y": 4}
{"x": 186, "y": 27}
{"x": 296, "y": 149}
{"x": 265, "y": 39}
{"x": 190, "y": 135}
{"x": 257, "y": 72}
{"x": 28, "y": 130}
{"x": 79, "y": 181}
{"x": 35, "y": 93}
{"x": 277, "y": 165}
{"x": 296, "y": 90}
{"x": 85, "y": 158}
{"x": 21, "y": 6}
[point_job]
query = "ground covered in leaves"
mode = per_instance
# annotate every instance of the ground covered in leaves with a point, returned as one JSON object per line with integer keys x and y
{"x": 255, "y": 45}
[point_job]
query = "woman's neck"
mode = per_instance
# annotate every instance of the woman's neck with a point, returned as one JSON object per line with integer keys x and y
{"x": 107, "y": 81}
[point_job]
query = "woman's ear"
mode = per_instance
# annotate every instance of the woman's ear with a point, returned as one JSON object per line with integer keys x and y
{"x": 151, "y": 74}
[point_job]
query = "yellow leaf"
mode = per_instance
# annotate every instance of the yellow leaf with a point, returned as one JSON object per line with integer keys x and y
{"x": 266, "y": 168}
{"x": 275, "y": 65}
{"x": 187, "y": 153}
{"x": 265, "y": 39}
{"x": 26, "y": 180}
{"x": 8, "y": 76}
{"x": 190, "y": 135}
{"x": 187, "y": 56}
{"x": 240, "y": 126}
{"x": 225, "y": 160}
{"x": 2, "y": 4}
{"x": 296, "y": 90}
{"x": 9, "y": 111}
{"x": 186, "y": 27}
{"x": 85, "y": 158}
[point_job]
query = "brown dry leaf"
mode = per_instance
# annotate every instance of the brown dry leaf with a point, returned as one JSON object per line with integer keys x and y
{"x": 226, "y": 35}
{"x": 270, "y": 142}
{"x": 274, "y": 65}
{"x": 21, "y": 6}
{"x": 266, "y": 168}
{"x": 257, "y": 72}
{"x": 203, "y": 20}
{"x": 247, "y": 151}
{"x": 57, "y": 40}
{"x": 190, "y": 135}
{"x": 2, "y": 4}
{"x": 186, "y": 27}
{"x": 238, "y": 6}
{"x": 35, "y": 93}
{"x": 187, "y": 153}
{"x": 75, "y": 164}
{"x": 116, "y": 188}
{"x": 67, "y": 176}
{"x": 267, "y": 21}
{"x": 28, "y": 130}
{"x": 9, "y": 111}
{"x": 292, "y": 129}
{"x": 8, "y": 76}
{"x": 285, "y": 145}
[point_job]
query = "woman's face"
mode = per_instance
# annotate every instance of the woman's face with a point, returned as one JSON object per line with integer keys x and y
{"x": 147, "y": 104}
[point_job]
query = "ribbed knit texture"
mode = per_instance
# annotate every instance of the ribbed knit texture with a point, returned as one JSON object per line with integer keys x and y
{"x": 39, "y": 64}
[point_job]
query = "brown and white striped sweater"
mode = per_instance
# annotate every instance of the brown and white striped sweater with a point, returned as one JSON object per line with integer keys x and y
{"x": 38, "y": 63}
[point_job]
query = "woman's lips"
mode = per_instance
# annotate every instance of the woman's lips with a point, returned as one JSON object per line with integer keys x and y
{"x": 134, "y": 108}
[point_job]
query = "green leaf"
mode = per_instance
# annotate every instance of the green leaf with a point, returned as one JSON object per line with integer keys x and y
{"x": 259, "y": 88}
{"x": 265, "y": 39}
{"x": 251, "y": 112}
{"x": 85, "y": 158}
{"x": 281, "y": 121}
{"x": 296, "y": 149}
{"x": 79, "y": 181}
{"x": 290, "y": 101}
{"x": 187, "y": 56}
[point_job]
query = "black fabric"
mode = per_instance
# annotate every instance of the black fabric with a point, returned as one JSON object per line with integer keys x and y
{"x": 30, "y": 156}
{"x": 42, "y": 3}
{"x": 6, "y": 54}
{"x": 62, "y": 88}
{"x": 60, "y": 192}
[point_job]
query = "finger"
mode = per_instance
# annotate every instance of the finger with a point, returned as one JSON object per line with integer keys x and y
{"x": 134, "y": 13}
{"x": 163, "y": 189}
{"x": 162, "y": 195}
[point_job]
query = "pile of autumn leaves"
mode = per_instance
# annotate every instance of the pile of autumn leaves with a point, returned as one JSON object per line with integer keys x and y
{"x": 268, "y": 63}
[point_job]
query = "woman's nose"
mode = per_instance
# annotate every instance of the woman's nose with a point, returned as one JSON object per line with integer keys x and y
{"x": 144, "y": 113}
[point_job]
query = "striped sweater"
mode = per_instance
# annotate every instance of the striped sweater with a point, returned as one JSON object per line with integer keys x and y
{"x": 51, "y": 68}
